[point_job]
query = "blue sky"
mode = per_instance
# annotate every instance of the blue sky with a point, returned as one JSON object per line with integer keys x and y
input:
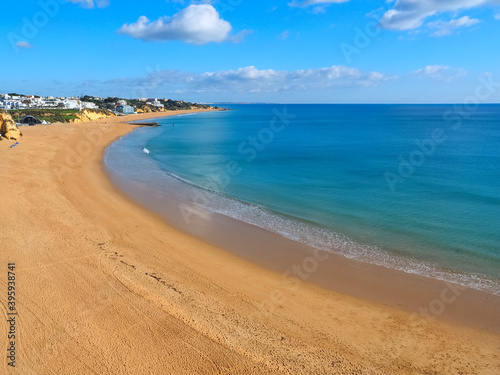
{"x": 292, "y": 51}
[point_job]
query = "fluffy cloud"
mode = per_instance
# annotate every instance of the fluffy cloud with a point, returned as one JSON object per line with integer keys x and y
{"x": 196, "y": 24}
{"x": 91, "y": 3}
{"x": 252, "y": 80}
{"x": 446, "y": 28}
{"x": 411, "y": 14}
{"x": 23, "y": 44}
{"x": 440, "y": 72}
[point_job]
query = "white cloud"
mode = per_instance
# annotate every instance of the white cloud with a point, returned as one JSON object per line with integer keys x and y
{"x": 252, "y": 80}
{"x": 318, "y": 6}
{"x": 307, "y": 3}
{"x": 497, "y": 16}
{"x": 440, "y": 72}
{"x": 23, "y": 44}
{"x": 411, "y": 14}
{"x": 376, "y": 13}
{"x": 91, "y": 3}
{"x": 446, "y": 28}
{"x": 196, "y": 24}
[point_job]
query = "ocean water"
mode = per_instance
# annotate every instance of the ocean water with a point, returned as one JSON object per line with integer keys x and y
{"x": 411, "y": 187}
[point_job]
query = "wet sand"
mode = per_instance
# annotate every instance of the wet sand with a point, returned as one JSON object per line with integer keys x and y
{"x": 105, "y": 286}
{"x": 301, "y": 263}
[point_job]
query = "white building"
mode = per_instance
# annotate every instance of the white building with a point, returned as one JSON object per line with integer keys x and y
{"x": 13, "y": 104}
{"x": 50, "y": 102}
{"x": 155, "y": 102}
{"x": 89, "y": 105}
{"x": 71, "y": 104}
{"x": 8, "y": 102}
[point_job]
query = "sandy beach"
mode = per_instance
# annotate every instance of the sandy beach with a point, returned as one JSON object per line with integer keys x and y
{"x": 105, "y": 286}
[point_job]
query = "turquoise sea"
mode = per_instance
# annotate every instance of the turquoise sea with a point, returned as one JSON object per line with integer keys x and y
{"x": 411, "y": 187}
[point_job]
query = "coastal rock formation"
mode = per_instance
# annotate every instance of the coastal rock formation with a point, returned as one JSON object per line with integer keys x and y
{"x": 149, "y": 109}
{"x": 144, "y": 109}
{"x": 92, "y": 114}
{"x": 8, "y": 127}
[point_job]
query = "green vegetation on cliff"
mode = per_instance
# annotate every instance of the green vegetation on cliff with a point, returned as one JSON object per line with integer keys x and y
{"x": 49, "y": 115}
{"x": 53, "y": 115}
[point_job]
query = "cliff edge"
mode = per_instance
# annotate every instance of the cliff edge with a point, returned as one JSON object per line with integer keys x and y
{"x": 91, "y": 115}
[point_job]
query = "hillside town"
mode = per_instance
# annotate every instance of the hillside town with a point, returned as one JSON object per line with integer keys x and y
{"x": 16, "y": 101}
{"x": 13, "y": 101}
{"x": 20, "y": 109}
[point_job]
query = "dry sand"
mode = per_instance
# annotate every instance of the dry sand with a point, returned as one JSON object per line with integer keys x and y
{"x": 106, "y": 287}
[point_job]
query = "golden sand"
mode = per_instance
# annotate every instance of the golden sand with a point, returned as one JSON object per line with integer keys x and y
{"x": 105, "y": 287}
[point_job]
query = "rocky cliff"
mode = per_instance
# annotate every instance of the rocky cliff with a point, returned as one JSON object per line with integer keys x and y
{"x": 149, "y": 109}
{"x": 8, "y": 127}
{"x": 91, "y": 115}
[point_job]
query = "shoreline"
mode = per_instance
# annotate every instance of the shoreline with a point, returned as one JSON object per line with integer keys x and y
{"x": 407, "y": 291}
{"x": 103, "y": 278}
